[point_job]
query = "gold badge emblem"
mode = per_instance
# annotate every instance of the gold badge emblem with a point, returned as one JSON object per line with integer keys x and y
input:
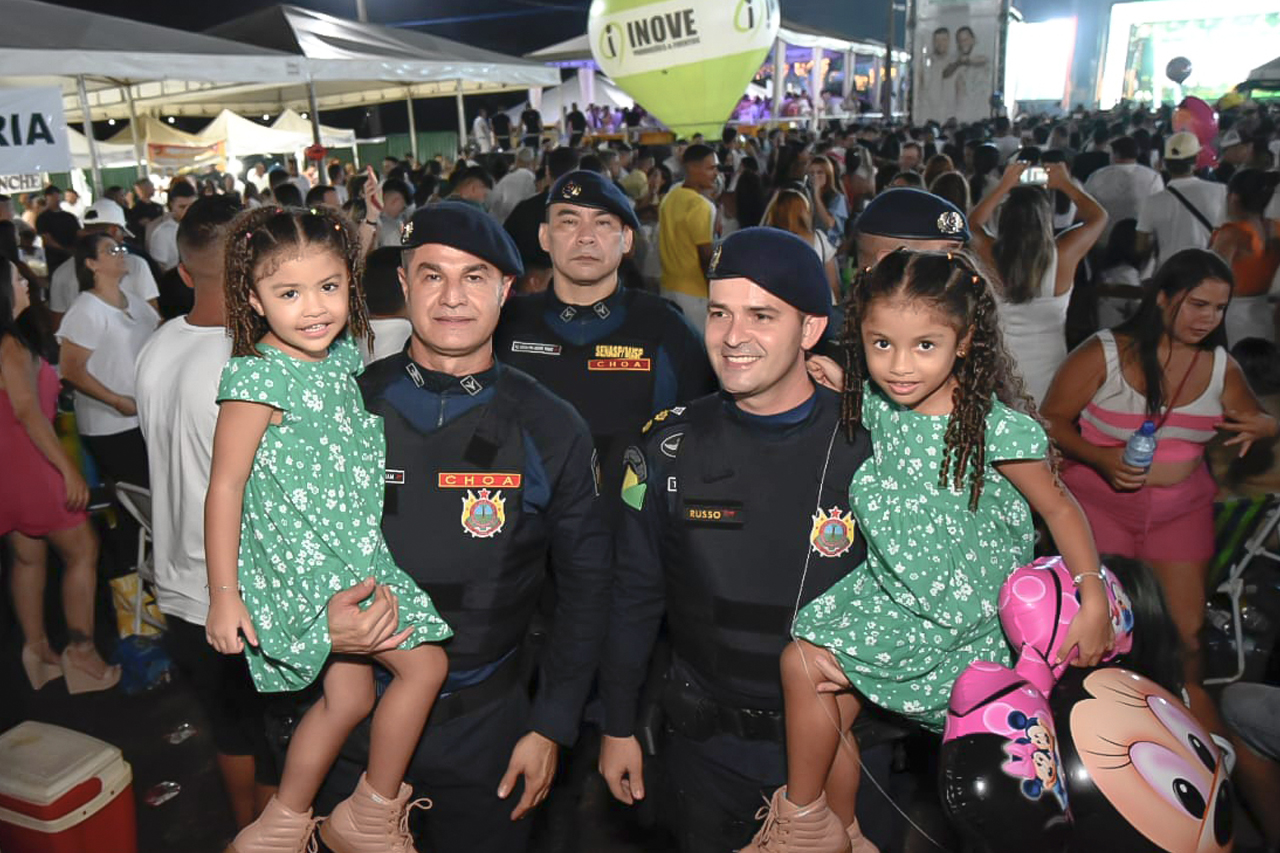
{"x": 570, "y": 190}
{"x": 832, "y": 533}
{"x": 483, "y": 516}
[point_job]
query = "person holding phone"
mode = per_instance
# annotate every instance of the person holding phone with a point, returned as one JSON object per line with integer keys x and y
{"x": 1036, "y": 269}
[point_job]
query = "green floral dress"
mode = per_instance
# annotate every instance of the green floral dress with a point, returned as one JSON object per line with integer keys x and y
{"x": 923, "y": 606}
{"x": 312, "y": 518}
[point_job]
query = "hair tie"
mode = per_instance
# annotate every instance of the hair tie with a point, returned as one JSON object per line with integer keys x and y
{"x": 975, "y": 278}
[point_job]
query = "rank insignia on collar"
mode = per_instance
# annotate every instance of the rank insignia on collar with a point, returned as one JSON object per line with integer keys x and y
{"x": 471, "y": 385}
{"x": 406, "y": 232}
{"x": 602, "y": 310}
{"x": 483, "y": 516}
{"x": 568, "y": 313}
{"x": 832, "y": 533}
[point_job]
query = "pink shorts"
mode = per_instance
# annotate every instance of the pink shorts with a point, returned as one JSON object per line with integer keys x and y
{"x": 1164, "y": 523}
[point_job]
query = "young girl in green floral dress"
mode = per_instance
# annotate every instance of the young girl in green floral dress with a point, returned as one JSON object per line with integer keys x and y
{"x": 943, "y": 504}
{"x": 293, "y": 515}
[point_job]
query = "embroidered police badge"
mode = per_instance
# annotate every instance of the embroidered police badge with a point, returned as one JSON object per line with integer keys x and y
{"x": 832, "y": 533}
{"x": 483, "y": 516}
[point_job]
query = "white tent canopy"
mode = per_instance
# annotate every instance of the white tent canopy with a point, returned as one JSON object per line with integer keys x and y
{"x": 243, "y": 136}
{"x": 1265, "y": 76}
{"x": 560, "y": 98}
{"x": 43, "y": 44}
{"x": 330, "y": 137}
{"x": 109, "y": 154}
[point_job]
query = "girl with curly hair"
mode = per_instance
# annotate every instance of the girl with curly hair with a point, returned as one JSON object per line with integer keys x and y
{"x": 293, "y": 514}
{"x": 945, "y": 504}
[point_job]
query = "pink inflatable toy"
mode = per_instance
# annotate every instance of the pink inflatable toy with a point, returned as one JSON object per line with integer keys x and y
{"x": 1195, "y": 116}
{"x": 1038, "y": 602}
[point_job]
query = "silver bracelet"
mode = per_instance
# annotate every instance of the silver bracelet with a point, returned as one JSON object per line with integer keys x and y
{"x": 225, "y": 586}
{"x": 1099, "y": 575}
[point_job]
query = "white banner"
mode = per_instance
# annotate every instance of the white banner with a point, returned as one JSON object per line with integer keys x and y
{"x": 33, "y": 132}
{"x": 15, "y": 184}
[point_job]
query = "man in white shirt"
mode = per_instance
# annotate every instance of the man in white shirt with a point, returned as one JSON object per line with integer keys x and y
{"x": 1122, "y": 187}
{"x": 138, "y": 282}
{"x": 481, "y": 132}
{"x": 162, "y": 241}
{"x": 1004, "y": 140}
{"x": 258, "y": 176}
{"x": 515, "y": 186}
{"x": 1184, "y": 214}
{"x": 176, "y": 391}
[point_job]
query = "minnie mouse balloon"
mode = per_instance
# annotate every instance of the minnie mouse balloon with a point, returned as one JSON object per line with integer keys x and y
{"x": 1178, "y": 69}
{"x": 1037, "y": 603}
{"x": 686, "y": 62}
{"x": 1141, "y": 772}
{"x": 1000, "y": 776}
{"x": 1195, "y": 116}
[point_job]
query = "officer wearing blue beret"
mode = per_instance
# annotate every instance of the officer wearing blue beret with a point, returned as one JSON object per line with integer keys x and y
{"x": 736, "y": 512}
{"x": 911, "y": 218}
{"x": 490, "y": 479}
{"x": 617, "y": 354}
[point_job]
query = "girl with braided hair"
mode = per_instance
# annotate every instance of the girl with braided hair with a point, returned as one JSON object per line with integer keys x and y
{"x": 293, "y": 514}
{"x": 945, "y": 503}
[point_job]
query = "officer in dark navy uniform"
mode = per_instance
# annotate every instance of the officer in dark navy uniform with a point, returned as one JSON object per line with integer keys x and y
{"x": 617, "y": 354}
{"x": 736, "y": 513}
{"x": 490, "y": 478}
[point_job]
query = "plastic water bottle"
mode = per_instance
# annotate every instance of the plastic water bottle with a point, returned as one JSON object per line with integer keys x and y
{"x": 1141, "y": 447}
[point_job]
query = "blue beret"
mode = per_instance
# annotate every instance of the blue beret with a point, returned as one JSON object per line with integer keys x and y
{"x": 592, "y": 189}
{"x": 912, "y": 214}
{"x": 465, "y": 227}
{"x": 777, "y": 260}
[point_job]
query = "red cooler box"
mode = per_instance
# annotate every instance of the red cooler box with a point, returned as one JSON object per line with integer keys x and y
{"x": 64, "y": 792}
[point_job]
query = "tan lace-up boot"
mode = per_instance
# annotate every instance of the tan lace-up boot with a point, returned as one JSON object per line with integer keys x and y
{"x": 789, "y": 828}
{"x": 860, "y": 843}
{"x": 277, "y": 830}
{"x": 367, "y": 822}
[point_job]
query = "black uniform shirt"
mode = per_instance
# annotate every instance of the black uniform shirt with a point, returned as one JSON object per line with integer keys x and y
{"x": 617, "y": 362}
{"x": 554, "y": 507}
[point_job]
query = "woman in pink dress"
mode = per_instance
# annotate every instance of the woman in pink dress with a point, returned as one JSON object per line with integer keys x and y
{"x": 42, "y": 502}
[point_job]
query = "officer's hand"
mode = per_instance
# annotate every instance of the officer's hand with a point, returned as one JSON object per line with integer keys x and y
{"x": 534, "y": 758}
{"x": 354, "y": 631}
{"x": 622, "y": 766}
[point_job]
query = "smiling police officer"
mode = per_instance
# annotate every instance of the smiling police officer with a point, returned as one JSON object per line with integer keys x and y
{"x": 617, "y": 354}
{"x": 736, "y": 513}
{"x": 490, "y": 478}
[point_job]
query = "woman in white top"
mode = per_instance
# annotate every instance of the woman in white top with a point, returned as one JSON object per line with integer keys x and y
{"x": 1035, "y": 269}
{"x": 101, "y": 334}
{"x": 791, "y": 211}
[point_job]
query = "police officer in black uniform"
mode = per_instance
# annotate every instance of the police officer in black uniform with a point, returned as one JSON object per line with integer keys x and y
{"x": 617, "y": 354}
{"x": 490, "y": 478}
{"x": 916, "y": 219}
{"x": 736, "y": 513}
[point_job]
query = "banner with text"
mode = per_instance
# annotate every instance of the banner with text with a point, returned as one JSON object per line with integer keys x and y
{"x": 33, "y": 132}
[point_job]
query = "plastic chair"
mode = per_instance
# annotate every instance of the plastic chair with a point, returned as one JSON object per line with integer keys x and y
{"x": 1252, "y": 520}
{"x": 137, "y": 502}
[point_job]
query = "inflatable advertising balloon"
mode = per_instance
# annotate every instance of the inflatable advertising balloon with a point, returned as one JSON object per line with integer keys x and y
{"x": 1178, "y": 69}
{"x": 685, "y": 61}
{"x": 1000, "y": 777}
{"x": 1142, "y": 774}
{"x": 1195, "y": 116}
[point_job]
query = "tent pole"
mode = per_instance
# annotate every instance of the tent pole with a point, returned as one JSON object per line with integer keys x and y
{"x": 322, "y": 174}
{"x": 141, "y": 167}
{"x": 88, "y": 132}
{"x": 462, "y": 121}
{"x": 779, "y": 77}
{"x": 413, "y": 127}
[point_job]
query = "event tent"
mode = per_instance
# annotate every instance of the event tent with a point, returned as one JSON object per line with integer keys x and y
{"x": 355, "y": 63}
{"x": 330, "y": 137}
{"x": 557, "y": 100}
{"x": 1263, "y": 77}
{"x": 242, "y": 136}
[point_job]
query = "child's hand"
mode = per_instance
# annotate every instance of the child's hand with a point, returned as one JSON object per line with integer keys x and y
{"x": 1091, "y": 633}
{"x": 824, "y": 371}
{"x": 228, "y": 617}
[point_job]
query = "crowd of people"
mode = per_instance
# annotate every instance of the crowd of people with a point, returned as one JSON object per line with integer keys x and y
{"x": 579, "y": 437}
